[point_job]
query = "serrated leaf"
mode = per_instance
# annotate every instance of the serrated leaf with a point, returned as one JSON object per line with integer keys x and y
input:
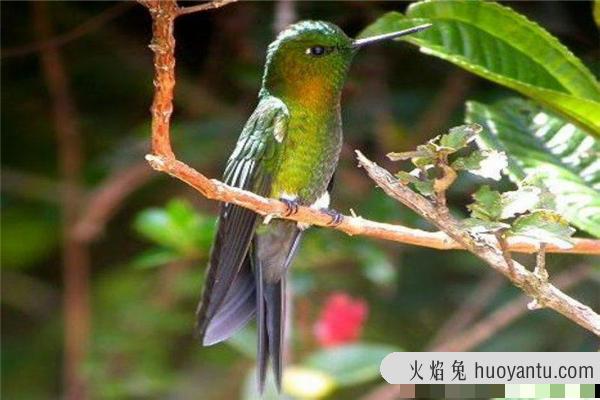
{"x": 562, "y": 157}
{"x": 497, "y": 43}
{"x": 426, "y": 155}
{"x": 472, "y": 161}
{"x": 519, "y": 201}
{"x": 484, "y": 163}
{"x": 350, "y": 364}
{"x": 459, "y": 136}
{"x": 543, "y": 227}
{"x": 487, "y": 205}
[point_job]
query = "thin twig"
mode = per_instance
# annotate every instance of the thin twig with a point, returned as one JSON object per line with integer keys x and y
{"x": 104, "y": 201}
{"x": 451, "y": 96}
{"x": 211, "y": 5}
{"x": 75, "y": 254}
{"x": 472, "y": 306}
{"x": 84, "y": 28}
{"x": 544, "y": 294}
{"x": 30, "y": 186}
{"x": 504, "y": 316}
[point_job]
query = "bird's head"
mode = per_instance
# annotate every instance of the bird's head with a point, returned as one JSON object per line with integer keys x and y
{"x": 311, "y": 58}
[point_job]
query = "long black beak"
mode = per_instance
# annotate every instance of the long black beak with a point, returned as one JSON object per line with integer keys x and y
{"x": 358, "y": 43}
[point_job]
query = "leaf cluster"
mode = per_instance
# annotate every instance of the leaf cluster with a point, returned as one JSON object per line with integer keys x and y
{"x": 526, "y": 212}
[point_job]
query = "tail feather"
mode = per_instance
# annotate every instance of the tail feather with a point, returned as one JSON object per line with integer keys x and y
{"x": 274, "y": 295}
{"x": 262, "y": 351}
{"x": 237, "y": 308}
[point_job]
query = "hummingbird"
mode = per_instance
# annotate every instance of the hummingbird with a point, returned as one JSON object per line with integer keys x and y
{"x": 287, "y": 150}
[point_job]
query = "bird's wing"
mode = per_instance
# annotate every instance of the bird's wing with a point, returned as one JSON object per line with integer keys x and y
{"x": 249, "y": 167}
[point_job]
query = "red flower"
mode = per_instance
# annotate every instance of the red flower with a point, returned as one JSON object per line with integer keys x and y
{"x": 341, "y": 320}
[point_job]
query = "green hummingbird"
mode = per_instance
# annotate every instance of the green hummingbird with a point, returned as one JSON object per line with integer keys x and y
{"x": 288, "y": 150}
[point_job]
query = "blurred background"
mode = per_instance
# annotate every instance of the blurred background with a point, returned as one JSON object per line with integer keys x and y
{"x": 103, "y": 259}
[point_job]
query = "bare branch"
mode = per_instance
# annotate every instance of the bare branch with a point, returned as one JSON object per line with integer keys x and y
{"x": 211, "y": 5}
{"x": 504, "y": 316}
{"x": 75, "y": 254}
{"x": 105, "y": 200}
{"x": 84, "y": 28}
{"x": 470, "y": 309}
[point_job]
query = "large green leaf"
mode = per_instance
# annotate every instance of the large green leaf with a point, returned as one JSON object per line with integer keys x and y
{"x": 350, "y": 364}
{"x": 538, "y": 143}
{"x": 503, "y": 46}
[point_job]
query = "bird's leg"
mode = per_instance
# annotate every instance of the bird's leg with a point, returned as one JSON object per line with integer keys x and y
{"x": 291, "y": 206}
{"x": 336, "y": 217}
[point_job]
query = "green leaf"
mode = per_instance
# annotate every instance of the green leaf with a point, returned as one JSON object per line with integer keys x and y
{"x": 487, "y": 205}
{"x": 351, "y": 364}
{"x": 459, "y": 136}
{"x": 497, "y": 43}
{"x": 560, "y": 156}
{"x": 543, "y": 227}
{"x": 29, "y": 235}
{"x": 154, "y": 258}
{"x": 178, "y": 227}
{"x": 485, "y": 163}
{"x": 519, "y": 201}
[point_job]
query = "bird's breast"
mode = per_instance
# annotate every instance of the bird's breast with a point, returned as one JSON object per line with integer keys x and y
{"x": 310, "y": 152}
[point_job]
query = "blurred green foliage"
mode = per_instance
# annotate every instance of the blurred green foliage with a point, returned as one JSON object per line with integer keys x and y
{"x": 149, "y": 262}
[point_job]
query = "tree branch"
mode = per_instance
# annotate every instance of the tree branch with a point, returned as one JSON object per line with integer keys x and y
{"x": 505, "y": 315}
{"x": 105, "y": 200}
{"x": 75, "y": 254}
{"x": 163, "y": 44}
{"x": 84, "y": 28}
{"x": 470, "y": 309}
{"x": 543, "y": 293}
{"x": 211, "y": 5}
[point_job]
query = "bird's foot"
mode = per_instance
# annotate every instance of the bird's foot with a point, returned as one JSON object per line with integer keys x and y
{"x": 336, "y": 217}
{"x": 291, "y": 207}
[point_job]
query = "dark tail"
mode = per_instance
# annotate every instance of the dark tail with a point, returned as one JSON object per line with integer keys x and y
{"x": 237, "y": 308}
{"x": 270, "y": 322}
{"x": 250, "y": 294}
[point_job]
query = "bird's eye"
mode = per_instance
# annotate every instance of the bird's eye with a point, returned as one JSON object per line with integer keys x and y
{"x": 316, "y": 51}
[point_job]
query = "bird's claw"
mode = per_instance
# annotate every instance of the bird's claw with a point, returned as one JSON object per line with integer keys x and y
{"x": 291, "y": 207}
{"x": 336, "y": 217}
